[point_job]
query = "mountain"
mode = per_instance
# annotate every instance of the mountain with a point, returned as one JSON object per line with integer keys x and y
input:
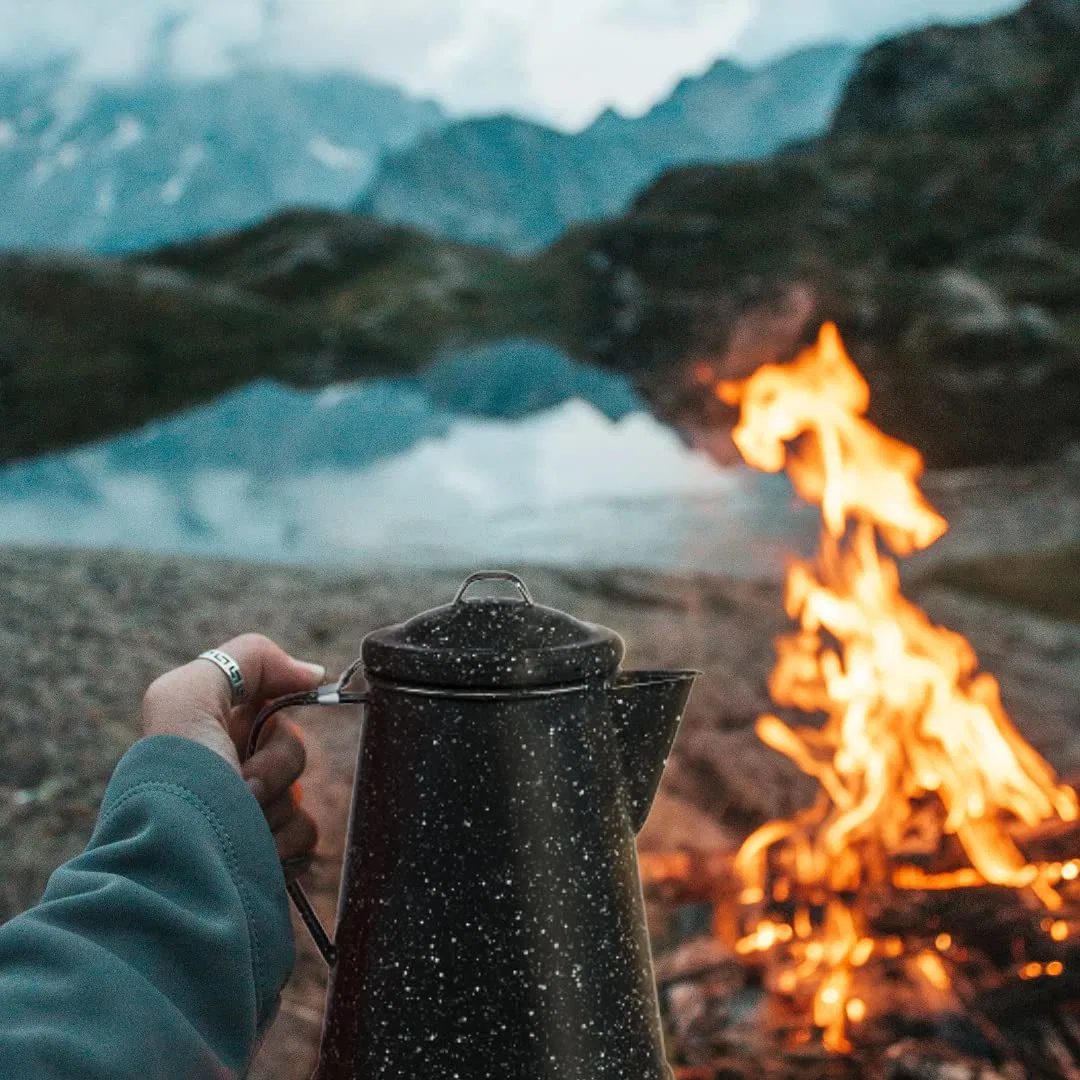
{"x": 119, "y": 167}
{"x": 517, "y": 185}
{"x": 936, "y": 222}
{"x": 113, "y": 168}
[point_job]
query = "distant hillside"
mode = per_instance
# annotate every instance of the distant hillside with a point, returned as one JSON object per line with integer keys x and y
{"x": 517, "y": 185}
{"x": 117, "y": 168}
{"x": 92, "y": 346}
{"x": 113, "y": 168}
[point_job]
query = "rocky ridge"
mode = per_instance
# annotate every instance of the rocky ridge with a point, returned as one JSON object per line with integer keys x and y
{"x": 518, "y": 185}
{"x": 307, "y": 298}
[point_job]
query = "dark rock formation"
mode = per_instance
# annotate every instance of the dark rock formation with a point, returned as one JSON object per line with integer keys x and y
{"x": 936, "y": 222}
{"x": 92, "y": 347}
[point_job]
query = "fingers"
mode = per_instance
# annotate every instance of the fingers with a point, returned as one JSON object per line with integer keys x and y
{"x": 295, "y": 832}
{"x": 282, "y": 808}
{"x": 277, "y": 764}
{"x": 297, "y": 837}
{"x": 269, "y": 671}
{"x": 272, "y": 773}
{"x": 195, "y": 701}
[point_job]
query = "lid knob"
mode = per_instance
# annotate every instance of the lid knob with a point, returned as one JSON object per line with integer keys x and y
{"x": 493, "y": 575}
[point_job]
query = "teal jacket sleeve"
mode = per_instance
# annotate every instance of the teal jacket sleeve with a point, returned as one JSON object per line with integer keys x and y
{"x": 158, "y": 953}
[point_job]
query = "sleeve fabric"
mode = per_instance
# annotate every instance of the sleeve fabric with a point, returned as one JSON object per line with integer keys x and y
{"x": 159, "y": 953}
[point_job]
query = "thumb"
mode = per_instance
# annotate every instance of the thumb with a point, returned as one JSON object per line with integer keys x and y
{"x": 196, "y": 700}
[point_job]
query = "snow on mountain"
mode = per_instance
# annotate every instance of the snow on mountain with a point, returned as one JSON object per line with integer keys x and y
{"x": 114, "y": 167}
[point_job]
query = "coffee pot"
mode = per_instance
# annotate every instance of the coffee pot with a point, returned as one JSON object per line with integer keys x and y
{"x": 490, "y": 920}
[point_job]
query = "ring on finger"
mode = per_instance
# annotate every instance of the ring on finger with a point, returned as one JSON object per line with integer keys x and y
{"x": 231, "y": 670}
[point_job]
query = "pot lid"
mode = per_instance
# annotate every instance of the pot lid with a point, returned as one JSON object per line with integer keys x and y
{"x": 492, "y": 642}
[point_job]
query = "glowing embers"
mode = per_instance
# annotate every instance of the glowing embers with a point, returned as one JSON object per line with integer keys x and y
{"x": 915, "y": 752}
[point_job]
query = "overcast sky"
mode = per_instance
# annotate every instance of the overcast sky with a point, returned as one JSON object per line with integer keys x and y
{"x": 556, "y": 60}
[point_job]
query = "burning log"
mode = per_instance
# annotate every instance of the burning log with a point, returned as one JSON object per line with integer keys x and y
{"x": 682, "y": 877}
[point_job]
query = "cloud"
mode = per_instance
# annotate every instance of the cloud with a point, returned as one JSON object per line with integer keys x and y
{"x": 557, "y": 60}
{"x": 112, "y": 38}
{"x": 781, "y": 25}
{"x": 563, "y": 60}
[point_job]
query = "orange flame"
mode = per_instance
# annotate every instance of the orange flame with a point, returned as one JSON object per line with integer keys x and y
{"x": 908, "y": 718}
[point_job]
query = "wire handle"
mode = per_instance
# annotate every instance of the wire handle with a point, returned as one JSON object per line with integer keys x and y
{"x": 494, "y": 575}
{"x": 330, "y": 694}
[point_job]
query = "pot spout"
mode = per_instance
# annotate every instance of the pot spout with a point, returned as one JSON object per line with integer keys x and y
{"x": 646, "y": 707}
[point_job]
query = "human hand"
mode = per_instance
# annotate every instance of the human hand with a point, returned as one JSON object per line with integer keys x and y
{"x": 195, "y": 702}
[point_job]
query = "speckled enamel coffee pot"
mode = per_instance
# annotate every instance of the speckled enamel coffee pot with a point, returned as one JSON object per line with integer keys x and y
{"x": 491, "y": 922}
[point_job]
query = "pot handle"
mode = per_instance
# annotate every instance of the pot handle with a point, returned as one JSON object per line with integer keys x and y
{"x": 494, "y": 575}
{"x": 331, "y": 694}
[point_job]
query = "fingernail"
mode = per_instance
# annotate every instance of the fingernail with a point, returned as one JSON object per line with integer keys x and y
{"x": 317, "y": 670}
{"x": 256, "y": 787}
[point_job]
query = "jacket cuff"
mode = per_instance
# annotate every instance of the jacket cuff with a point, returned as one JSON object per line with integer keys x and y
{"x": 248, "y": 845}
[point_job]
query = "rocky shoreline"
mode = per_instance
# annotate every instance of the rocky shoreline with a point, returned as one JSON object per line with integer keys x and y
{"x": 82, "y": 634}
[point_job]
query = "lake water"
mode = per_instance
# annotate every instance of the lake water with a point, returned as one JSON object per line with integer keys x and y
{"x": 508, "y": 455}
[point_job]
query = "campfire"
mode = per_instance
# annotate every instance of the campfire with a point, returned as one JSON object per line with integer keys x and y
{"x": 921, "y": 880}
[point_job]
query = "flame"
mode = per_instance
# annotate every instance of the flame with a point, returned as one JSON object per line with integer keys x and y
{"x": 915, "y": 738}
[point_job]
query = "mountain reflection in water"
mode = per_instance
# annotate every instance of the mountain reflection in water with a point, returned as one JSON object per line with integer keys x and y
{"x": 508, "y": 454}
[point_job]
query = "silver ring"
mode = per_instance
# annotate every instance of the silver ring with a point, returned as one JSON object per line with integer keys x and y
{"x": 232, "y": 672}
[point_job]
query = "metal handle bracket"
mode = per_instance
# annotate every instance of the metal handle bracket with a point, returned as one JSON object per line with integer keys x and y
{"x": 331, "y": 694}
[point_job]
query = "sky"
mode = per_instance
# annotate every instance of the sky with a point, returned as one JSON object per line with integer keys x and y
{"x": 558, "y": 61}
